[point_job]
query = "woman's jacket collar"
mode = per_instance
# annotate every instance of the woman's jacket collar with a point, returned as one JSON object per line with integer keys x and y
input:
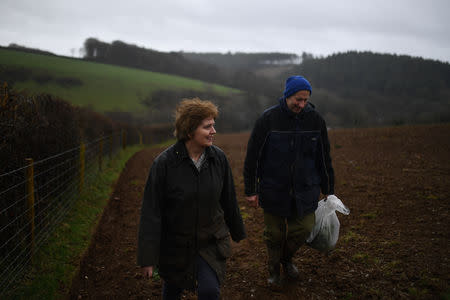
{"x": 181, "y": 152}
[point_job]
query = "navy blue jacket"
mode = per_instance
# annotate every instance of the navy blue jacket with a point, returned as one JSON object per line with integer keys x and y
{"x": 288, "y": 159}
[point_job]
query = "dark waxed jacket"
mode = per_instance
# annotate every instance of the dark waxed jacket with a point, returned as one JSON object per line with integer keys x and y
{"x": 186, "y": 212}
{"x": 287, "y": 155}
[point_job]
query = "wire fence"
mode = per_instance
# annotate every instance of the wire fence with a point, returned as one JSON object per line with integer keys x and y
{"x": 35, "y": 198}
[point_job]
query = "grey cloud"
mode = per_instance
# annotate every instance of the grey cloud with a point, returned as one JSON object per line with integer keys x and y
{"x": 321, "y": 27}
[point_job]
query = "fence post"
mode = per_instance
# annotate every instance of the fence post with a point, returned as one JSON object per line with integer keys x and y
{"x": 140, "y": 138}
{"x": 82, "y": 166}
{"x": 100, "y": 155}
{"x": 30, "y": 202}
{"x": 110, "y": 146}
{"x": 4, "y": 95}
{"x": 124, "y": 139}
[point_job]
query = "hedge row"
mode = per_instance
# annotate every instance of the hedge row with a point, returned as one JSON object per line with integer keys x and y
{"x": 39, "y": 126}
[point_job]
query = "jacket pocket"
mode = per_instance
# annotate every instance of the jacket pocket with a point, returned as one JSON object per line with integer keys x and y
{"x": 174, "y": 253}
{"x": 223, "y": 244}
{"x": 310, "y": 145}
{"x": 312, "y": 179}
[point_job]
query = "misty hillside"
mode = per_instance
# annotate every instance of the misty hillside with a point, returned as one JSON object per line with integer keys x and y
{"x": 241, "y": 60}
{"x": 130, "y": 95}
{"x": 356, "y": 88}
{"x": 176, "y": 63}
{"x": 366, "y": 72}
{"x": 349, "y": 89}
{"x": 121, "y": 92}
{"x": 380, "y": 89}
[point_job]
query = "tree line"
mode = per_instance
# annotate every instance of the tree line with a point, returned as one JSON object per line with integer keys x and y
{"x": 353, "y": 89}
{"x": 177, "y": 63}
{"x": 241, "y": 60}
{"x": 349, "y": 89}
{"x": 366, "y": 89}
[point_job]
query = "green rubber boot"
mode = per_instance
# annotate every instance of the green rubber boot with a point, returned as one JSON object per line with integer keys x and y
{"x": 274, "y": 254}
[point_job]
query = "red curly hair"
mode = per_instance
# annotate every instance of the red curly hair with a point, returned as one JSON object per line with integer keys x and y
{"x": 189, "y": 115}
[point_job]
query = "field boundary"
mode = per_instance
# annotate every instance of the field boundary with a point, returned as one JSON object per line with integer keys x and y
{"x": 37, "y": 196}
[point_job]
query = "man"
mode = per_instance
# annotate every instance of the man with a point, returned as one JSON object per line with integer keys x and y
{"x": 287, "y": 165}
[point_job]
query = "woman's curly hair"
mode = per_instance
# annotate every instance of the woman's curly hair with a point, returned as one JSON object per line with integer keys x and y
{"x": 189, "y": 115}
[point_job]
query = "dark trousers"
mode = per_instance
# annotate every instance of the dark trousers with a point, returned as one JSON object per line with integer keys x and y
{"x": 208, "y": 287}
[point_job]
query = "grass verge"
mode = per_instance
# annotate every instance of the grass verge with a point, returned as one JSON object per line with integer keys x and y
{"x": 55, "y": 264}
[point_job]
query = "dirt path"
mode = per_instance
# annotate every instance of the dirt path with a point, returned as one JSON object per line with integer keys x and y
{"x": 394, "y": 244}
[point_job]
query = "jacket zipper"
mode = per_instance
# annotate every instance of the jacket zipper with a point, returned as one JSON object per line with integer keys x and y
{"x": 304, "y": 131}
{"x": 258, "y": 159}
{"x": 196, "y": 252}
{"x": 325, "y": 166}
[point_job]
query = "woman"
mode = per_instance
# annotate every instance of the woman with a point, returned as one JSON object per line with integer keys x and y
{"x": 189, "y": 208}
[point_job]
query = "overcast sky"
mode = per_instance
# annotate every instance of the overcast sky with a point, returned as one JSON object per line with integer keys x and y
{"x": 412, "y": 27}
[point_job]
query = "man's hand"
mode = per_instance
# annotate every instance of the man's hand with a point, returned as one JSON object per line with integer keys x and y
{"x": 147, "y": 271}
{"x": 253, "y": 201}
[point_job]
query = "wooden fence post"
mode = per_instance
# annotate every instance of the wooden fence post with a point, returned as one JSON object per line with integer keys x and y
{"x": 30, "y": 202}
{"x": 4, "y": 95}
{"x": 82, "y": 166}
{"x": 110, "y": 146}
{"x": 124, "y": 139}
{"x": 100, "y": 155}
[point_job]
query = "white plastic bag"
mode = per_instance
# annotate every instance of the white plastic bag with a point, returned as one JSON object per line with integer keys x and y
{"x": 325, "y": 233}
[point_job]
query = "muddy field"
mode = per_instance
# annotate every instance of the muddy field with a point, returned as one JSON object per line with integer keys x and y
{"x": 394, "y": 244}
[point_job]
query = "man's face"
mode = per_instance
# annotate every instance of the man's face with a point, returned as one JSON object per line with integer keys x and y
{"x": 297, "y": 101}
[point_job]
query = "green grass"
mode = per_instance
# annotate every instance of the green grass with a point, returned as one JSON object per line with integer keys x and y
{"x": 445, "y": 295}
{"x": 369, "y": 215}
{"x": 55, "y": 264}
{"x": 166, "y": 143}
{"x": 361, "y": 258}
{"x": 351, "y": 236}
{"x": 105, "y": 87}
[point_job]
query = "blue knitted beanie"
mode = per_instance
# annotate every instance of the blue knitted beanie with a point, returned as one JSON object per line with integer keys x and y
{"x": 295, "y": 84}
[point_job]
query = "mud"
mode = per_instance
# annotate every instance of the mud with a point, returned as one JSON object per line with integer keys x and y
{"x": 393, "y": 245}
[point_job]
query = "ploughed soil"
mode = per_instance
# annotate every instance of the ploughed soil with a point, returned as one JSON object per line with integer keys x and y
{"x": 394, "y": 244}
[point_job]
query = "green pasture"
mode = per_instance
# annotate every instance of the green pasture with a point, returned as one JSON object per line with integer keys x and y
{"x": 105, "y": 87}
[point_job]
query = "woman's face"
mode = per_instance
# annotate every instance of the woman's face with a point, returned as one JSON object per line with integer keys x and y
{"x": 203, "y": 135}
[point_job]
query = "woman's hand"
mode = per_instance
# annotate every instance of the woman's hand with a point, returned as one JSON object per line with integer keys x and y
{"x": 147, "y": 271}
{"x": 253, "y": 201}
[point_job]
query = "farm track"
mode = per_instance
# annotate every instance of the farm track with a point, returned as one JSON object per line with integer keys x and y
{"x": 394, "y": 244}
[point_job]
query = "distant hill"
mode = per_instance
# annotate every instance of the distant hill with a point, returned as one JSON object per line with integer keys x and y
{"x": 367, "y": 72}
{"x": 349, "y": 89}
{"x": 27, "y": 49}
{"x": 354, "y": 88}
{"x": 125, "y": 94}
{"x": 242, "y": 60}
{"x": 188, "y": 64}
{"x": 101, "y": 87}
{"x": 366, "y": 89}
